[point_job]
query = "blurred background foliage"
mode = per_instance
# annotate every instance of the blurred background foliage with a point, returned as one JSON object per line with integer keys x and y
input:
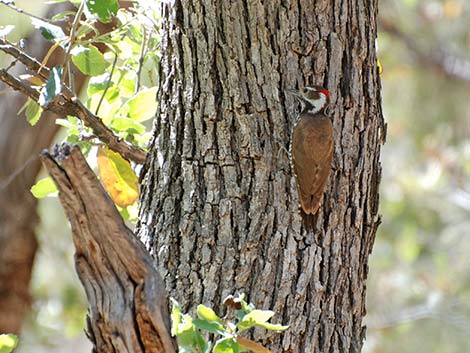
{"x": 419, "y": 280}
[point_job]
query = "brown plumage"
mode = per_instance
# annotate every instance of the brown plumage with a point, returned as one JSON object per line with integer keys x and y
{"x": 312, "y": 147}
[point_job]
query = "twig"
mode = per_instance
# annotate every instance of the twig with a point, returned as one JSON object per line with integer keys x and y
{"x": 75, "y": 23}
{"x": 141, "y": 60}
{"x": 108, "y": 83}
{"x": 67, "y": 104}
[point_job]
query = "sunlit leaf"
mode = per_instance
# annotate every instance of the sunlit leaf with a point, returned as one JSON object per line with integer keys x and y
{"x": 127, "y": 125}
{"x": 272, "y": 327}
{"x": 210, "y": 326}
{"x": 107, "y": 110}
{"x": 175, "y": 316}
{"x": 143, "y": 105}
{"x": 49, "y": 31}
{"x": 62, "y": 15}
{"x": 259, "y": 318}
{"x": 97, "y": 84}
{"x": 88, "y": 60}
{"x": 103, "y": 9}
{"x": 118, "y": 177}
{"x": 33, "y": 112}
{"x": 226, "y": 345}
{"x": 44, "y": 187}
{"x": 52, "y": 88}
{"x": 127, "y": 84}
{"x": 207, "y": 313}
{"x": 8, "y": 343}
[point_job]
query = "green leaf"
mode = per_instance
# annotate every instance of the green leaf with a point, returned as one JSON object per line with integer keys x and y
{"x": 127, "y": 125}
{"x": 207, "y": 347}
{"x": 273, "y": 327}
{"x": 207, "y": 314}
{"x": 8, "y": 343}
{"x": 49, "y": 31}
{"x": 52, "y": 88}
{"x": 97, "y": 84}
{"x": 103, "y": 9}
{"x": 189, "y": 337}
{"x": 62, "y": 15}
{"x": 143, "y": 105}
{"x": 226, "y": 345}
{"x": 33, "y": 112}
{"x": 256, "y": 317}
{"x": 88, "y": 60}
{"x": 210, "y": 326}
{"x": 175, "y": 316}
{"x": 44, "y": 187}
{"x": 127, "y": 84}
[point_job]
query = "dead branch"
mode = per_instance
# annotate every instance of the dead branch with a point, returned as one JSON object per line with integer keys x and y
{"x": 437, "y": 60}
{"x": 128, "y": 309}
{"x": 66, "y": 104}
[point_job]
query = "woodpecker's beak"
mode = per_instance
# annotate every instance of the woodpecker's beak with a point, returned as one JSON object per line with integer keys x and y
{"x": 294, "y": 92}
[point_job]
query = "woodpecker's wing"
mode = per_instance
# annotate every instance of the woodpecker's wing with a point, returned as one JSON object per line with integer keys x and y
{"x": 312, "y": 152}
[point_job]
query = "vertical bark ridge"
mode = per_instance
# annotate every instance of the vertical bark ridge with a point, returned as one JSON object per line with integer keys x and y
{"x": 219, "y": 210}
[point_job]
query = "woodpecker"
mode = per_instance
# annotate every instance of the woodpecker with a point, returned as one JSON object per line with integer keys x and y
{"x": 311, "y": 147}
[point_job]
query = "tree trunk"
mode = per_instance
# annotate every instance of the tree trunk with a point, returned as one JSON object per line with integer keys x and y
{"x": 219, "y": 208}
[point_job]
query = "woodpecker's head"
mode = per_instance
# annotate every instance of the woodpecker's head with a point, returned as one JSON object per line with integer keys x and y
{"x": 314, "y": 99}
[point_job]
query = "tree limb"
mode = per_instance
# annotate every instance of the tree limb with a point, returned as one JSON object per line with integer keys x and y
{"x": 128, "y": 307}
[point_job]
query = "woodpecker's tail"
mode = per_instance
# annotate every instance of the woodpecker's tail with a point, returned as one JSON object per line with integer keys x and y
{"x": 308, "y": 220}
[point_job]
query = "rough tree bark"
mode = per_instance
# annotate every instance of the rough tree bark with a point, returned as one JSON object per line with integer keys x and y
{"x": 219, "y": 210}
{"x": 128, "y": 307}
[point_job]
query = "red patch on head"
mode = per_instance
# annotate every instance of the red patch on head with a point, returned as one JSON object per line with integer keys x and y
{"x": 325, "y": 92}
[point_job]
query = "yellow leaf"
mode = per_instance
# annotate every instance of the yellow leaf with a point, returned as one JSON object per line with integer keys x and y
{"x": 118, "y": 177}
{"x": 379, "y": 65}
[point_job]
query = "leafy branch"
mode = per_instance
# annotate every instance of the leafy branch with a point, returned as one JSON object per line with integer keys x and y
{"x": 124, "y": 98}
{"x": 240, "y": 317}
{"x": 65, "y": 103}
